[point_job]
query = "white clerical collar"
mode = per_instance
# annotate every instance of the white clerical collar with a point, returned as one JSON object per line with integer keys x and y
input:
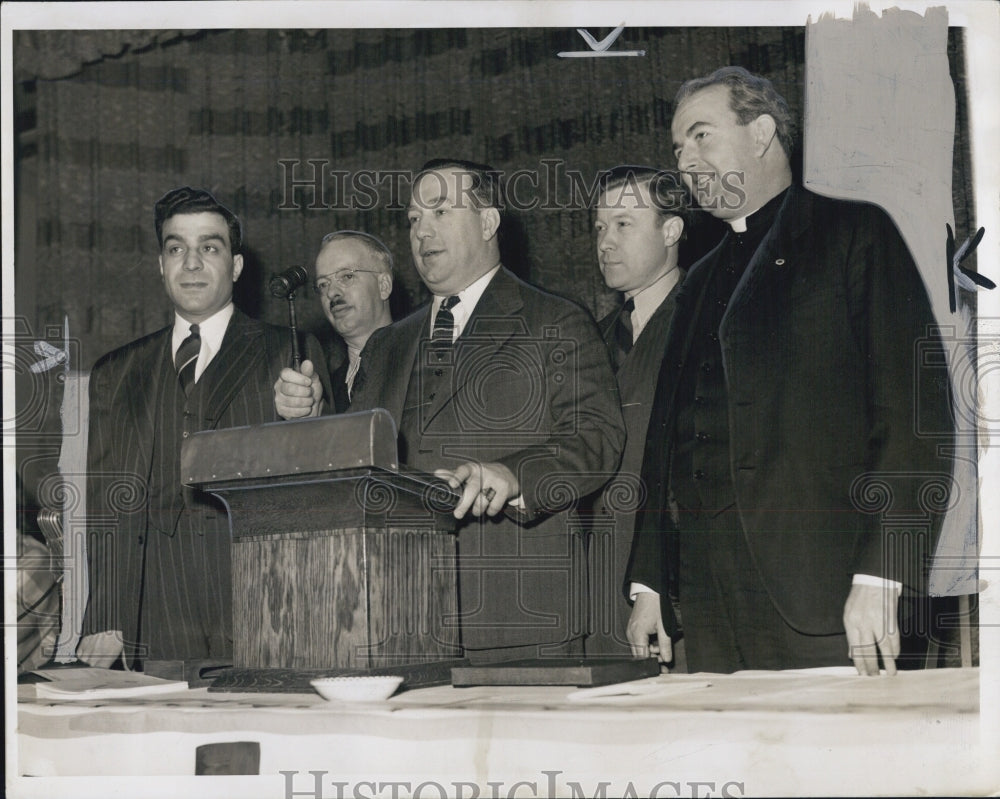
{"x": 468, "y": 299}
{"x": 739, "y": 225}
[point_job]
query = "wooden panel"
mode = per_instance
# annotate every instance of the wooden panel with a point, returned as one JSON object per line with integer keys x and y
{"x": 412, "y": 590}
{"x": 343, "y": 599}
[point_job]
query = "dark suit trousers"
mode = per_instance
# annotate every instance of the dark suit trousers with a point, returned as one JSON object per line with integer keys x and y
{"x": 730, "y": 623}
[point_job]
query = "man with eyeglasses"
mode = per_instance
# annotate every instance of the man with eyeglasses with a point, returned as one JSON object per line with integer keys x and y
{"x": 354, "y": 279}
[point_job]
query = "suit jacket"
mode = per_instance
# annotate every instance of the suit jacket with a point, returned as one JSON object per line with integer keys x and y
{"x": 615, "y": 506}
{"x": 531, "y": 387}
{"x": 338, "y": 387}
{"x": 237, "y": 389}
{"x": 821, "y": 344}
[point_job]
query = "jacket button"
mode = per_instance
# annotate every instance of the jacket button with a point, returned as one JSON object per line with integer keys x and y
{"x": 702, "y": 436}
{"x": 706, "y": 368}
{"x": 779, "y": 262}
{"x": 699, "y": 400}
{"x": 185, "y": 434}
{"x": 699, "y": 474}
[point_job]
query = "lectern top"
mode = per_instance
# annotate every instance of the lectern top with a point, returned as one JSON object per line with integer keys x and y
{"x": 297, "y": 447}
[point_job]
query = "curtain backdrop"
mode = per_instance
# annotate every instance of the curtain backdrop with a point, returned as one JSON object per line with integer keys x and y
{"x": 223, "y": 110}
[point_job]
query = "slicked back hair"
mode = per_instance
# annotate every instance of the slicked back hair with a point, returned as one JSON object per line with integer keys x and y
{"x": 749, "y": 96}
{"x": 486, "y": 188}
{"x": 185, "y": 200}
{"x": 667, "y": 191}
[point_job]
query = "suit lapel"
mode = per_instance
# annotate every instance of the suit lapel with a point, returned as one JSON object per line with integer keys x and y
{"x": 153, "y": 360}
{"x": 773, "y": 260}
{"x": 242, "y": 346}
{"x": 400, "y": 361}
{"x": 493, "y": 322}
{"x": 688, "y": 302}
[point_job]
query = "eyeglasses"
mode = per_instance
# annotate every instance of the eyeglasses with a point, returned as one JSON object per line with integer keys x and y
{"x": 344, "y": 278}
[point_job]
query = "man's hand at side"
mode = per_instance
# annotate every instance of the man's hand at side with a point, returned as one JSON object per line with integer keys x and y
{"x": 645, "y": 622}
{"x": 870, "y": 622}
{"x": 485, "y": 487}
{"x": 298, "y": 394}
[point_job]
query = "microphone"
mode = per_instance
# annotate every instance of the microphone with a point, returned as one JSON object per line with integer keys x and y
{"x": 286, "y": 283}
{"x": 283, "y": 285}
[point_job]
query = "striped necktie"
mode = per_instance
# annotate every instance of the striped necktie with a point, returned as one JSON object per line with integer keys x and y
{"x": 186, "y": 359}
{"x": 444, "y": 322}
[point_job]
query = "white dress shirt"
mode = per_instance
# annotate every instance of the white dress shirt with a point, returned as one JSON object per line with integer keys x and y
{"x": 353, "y": 365}
{"x": 468, "y": 299}
{"x": 647, "y": 300}
{"x": 212, "y": 331}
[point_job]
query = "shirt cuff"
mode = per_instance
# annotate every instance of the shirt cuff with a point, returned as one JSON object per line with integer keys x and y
{"x": 639, "y": 588}
{"x": 877, "y": 582}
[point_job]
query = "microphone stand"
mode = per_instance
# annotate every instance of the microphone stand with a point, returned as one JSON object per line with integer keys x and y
{"x": 296, "y": 358}
{"x": 285, "y": 284}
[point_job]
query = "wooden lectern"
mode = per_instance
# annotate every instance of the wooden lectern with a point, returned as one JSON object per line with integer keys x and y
{"x": 340, "y": 561}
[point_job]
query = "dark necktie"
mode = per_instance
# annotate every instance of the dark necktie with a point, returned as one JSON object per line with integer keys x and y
{"x": 186, "y": 359}
{"x": 444, "y": 322}
{"x": 623, "y": 329}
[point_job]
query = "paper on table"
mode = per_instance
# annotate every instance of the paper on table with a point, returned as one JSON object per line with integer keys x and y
{"x": 90, "y": 683}
{"x": 649, "y": 687}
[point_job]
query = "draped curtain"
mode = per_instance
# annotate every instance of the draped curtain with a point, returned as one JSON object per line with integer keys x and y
{"x": 255, "y": 115}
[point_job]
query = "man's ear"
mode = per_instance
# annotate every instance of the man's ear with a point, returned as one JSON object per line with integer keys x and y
{"x": 764, "y": 131}
{"x": 237, "y": 267}
{"x": 384, "y": 285}
{"x": 490, "y": 219}
{"x": 159, "y": 259}
{"x": 673, "y": 229}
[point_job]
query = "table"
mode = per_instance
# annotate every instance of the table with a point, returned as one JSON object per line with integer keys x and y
{"x": 823, "y": 731}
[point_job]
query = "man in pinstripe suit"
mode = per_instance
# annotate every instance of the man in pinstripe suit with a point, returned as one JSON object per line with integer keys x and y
{"x": 158, "y": 552}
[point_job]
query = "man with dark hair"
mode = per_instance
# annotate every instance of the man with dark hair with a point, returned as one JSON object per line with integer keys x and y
{"x": 158, "y": 552}
{"x": 506, "y": 392}
{"x": 641, "y": 217}
{"x": 787, "y": 386}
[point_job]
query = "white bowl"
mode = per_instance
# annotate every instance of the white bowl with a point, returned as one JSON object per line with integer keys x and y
{"x": 356, "y": 689}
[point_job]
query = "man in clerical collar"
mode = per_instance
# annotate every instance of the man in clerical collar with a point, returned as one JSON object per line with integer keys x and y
{"x": 786, "y": 386}
{"x": 158, "y": 551}
{"x": 640, "y": 219}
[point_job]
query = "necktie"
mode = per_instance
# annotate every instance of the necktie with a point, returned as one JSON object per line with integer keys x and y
{"x": 623, "y": 328}
{"x": 444, "y": 322}
{"x": 186, "y": 359}
{"x": 353, "y": 374}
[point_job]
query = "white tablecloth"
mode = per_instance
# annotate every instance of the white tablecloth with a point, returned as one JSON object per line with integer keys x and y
{"x": 822, "y": 732}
